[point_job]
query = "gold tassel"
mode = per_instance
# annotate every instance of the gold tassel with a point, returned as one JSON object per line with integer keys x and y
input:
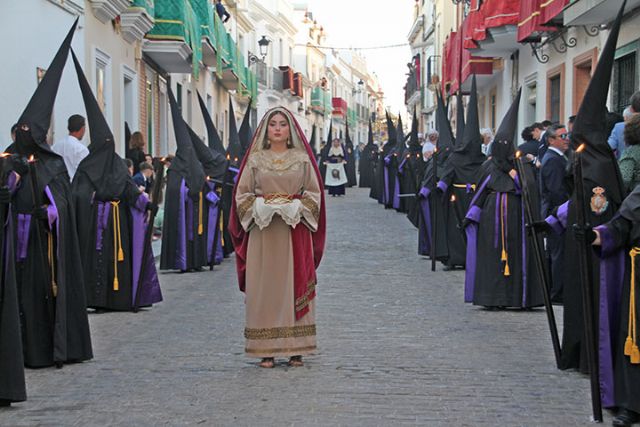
{"x": 200, "y": 227}
{"x": 504, "y": 255}
{"x": 507, "y": 272}
{"x": 635, "y": 355}
{"x": 628, "y": 346}
{"x": 221, "y": 227}
{"x": 118, "y": 253}
{"x": 116, "y": 284}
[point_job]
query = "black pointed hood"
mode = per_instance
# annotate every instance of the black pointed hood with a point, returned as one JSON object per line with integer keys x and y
{"x": 234, "y": 149}
{"x": 103, "y": 166}
{"x": 35, "y": 120}
{"x": 400, "y": 129}
{"x": 446, "y": 141}
{"x": 348, "y": 143}
{"x": 471, "y": 138}
{"x": 414, "y": 142}
{"x": 245, "y": 132}
{"x": 503, "y": 146}
{"x": 459, "y": 118}
{"x": 213, "y": 163}
{"x": 391, "y": 135}
{"x": 599, "y": 166}
{"x": 327, "y": 146}
{"x": 370, "y": 142}
{"x": 213, "y": 138}
{"x": 312, "y": 140}
{"x": 185, "y": 163}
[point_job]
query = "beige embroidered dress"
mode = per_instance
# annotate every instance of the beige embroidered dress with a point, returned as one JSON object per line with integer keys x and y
{"x": 268, "y": 212}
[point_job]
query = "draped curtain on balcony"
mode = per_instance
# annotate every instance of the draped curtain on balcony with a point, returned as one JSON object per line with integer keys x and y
{"x": 459, "y": 66}
{"x": 535, "y": 15}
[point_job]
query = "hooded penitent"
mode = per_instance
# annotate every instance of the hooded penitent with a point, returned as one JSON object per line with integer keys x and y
{"x": 603, "y": 193}
{"x": 112, "y": 231}
{"x": 215, "y": 143}
{"x": 431, "y": 205}
{"x": 389, "y": 164}
{"x": 54, "y": 315}
{"x": 411, "y": 171}
{"x": 496, "y": 234}
{"x": 367, "y": 161}
{"x": 324, "y": 151}
{"x": 459, "y": 177}
{"x": 183, "y": 238}
{"x": 245, "y": 132}
{"x": 350, "y": 166}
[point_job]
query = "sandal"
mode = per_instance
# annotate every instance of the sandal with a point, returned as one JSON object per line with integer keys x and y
{"x": 296, "y": 361}
{"x": 267, "y": 362}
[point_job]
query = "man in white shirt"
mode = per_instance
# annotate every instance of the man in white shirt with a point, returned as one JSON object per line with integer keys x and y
{"x": 70, "y": 147}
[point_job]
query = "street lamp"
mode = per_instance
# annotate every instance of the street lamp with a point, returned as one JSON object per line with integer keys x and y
{"x": 263, "y": 45}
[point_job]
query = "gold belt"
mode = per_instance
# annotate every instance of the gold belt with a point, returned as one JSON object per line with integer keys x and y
{"x": 473, "y": 186}
{"x": 631, "y": 345}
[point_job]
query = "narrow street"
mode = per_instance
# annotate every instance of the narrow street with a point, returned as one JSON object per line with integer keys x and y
{"x": 397, "y": 345}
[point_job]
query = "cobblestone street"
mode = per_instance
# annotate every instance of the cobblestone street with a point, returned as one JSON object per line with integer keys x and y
{"x": 397, "y": 345}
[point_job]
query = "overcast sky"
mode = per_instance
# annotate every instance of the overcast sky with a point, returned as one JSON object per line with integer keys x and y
{"x": 369, "y": 23}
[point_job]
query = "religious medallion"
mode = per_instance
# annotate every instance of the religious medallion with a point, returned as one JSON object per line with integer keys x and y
{"x": 599, "y": 202}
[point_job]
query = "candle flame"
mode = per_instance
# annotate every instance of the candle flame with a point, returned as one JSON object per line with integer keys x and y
{"x": 32, "y": 158}
{"x": 435, "y": 150}
{"x": 5, "y": 154}
{"x": 228, "y": 157}
{"x": 581, "y": 148}
{"x": 453, "y": 198}
{"x": 518, "y": 154}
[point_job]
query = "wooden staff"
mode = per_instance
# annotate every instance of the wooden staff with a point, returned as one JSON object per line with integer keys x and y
{"x": 538, "y": 257}
{"x": 434, "y": 215}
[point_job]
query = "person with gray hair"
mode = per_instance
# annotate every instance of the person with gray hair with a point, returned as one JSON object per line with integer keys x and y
{"x": 430, "y": 144}
{"x": 616, "y": 139}
{"x": 487, "y": 139}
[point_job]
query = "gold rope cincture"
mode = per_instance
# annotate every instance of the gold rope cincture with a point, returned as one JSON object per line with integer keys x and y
{"x": 118, "y": 253}
{"x": 200, "y": 227}
{"x": 54, "y": 285}
{"x": 631, "y": 344}
{"x": 504, "y": 257}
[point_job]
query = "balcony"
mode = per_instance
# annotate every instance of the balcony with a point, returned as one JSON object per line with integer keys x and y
{"x": 318, "y": 100}
{"x": 415, "y": 28}
{"x": 490, "y": 30}
{"x": 137, "y": 20}
{"x": 107, "y": 10}
{"x": 206, "y": 17}
{"x": 230, "y": 76}
{"x": 339, "y": 108}
{"x": 595, "y": 12}
{"x": 169, "y": 43}
{"x": 412, "y": 89}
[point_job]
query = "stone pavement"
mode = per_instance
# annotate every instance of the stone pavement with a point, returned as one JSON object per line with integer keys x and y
{"x": 397, "y": 346}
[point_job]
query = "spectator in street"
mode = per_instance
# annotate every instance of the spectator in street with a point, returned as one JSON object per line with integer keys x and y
{"x": 70, "y": 148}
{"x": 135, "y": 151}
{"x": 222, "y": 11}
{"x": 430, "y": 145}
{"x": 129, "y": 164}
{"x": 487, "y": 139}
{"x": 553, "y": 193}
{"x": 617, "y": 138}
{"x": 276, "y": 224}
{"x": 143, "y": 178}
{"x": 630, "y": 160}
{"x": 572, "y": 120}
{"x": 530, "y": 145}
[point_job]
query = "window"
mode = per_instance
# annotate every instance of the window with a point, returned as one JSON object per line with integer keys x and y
{"x": 102, "y": 81}
{"x": 149, "y": 88}
{"x": 188, "y": 109}
{"x": 179, "y": 95}
{"x": 128, "y": 101}
{"x": 555, "y": 94}
{"x": 624, "y": 81}
{"x": 582, "y": 66}
{"x": 164, "y": 131}
{"x": 492, "y": 109}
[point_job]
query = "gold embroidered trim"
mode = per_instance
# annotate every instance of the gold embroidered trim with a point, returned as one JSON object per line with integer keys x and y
{"x": 280, "y": 332}
{"x": 244, "y": 206}
{"x": 311, "y": 204}
{"x": 303, "y": 301}
{"x": 279, "y": 350}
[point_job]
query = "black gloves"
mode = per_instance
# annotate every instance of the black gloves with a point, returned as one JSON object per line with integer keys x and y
{"x": 584, "y": 233}
{"x": 540, "y": 226}
{"x": 152, "y": 207}
{"x": 19, "y": 164}
{"x": 40, "y": 213}
{"x": 465, "y": 223}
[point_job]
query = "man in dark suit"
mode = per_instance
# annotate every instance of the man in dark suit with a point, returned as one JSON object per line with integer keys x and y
{"x": 530, "y": 145}
{"x": 553, "y": 193}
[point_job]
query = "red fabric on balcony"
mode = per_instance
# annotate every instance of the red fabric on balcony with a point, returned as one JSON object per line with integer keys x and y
{"x": 452, "y": 70}
{"x": 535, "y": 13}
{"x": 297, "y": 85}
{"x": 490, "y": 14}
{"x": 339, "y": 106}
{"x": 551, "y": 9}
{"x": 287, "y": 78}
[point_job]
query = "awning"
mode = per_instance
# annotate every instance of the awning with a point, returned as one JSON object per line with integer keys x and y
{"x": 459, "y": 66}
{"x": 535, "y": 16}
{"x": 595, "y": 12}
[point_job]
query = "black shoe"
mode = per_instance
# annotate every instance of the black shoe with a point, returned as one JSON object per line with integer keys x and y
{"x": 5, "y": 403}
{"x": 625, "y": 418}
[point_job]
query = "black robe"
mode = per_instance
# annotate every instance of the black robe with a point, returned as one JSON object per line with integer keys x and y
{"x": 366, "y": 165}
{"x": 54, "y": 329}
{"x": 184, "y": 242}
{"x": 431, "y": 211}
{"x": 501, "y": 269}
{"x": 350, "y": 166}
{"x": 619, "y": 378}
{"x": 12, "y": 385}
